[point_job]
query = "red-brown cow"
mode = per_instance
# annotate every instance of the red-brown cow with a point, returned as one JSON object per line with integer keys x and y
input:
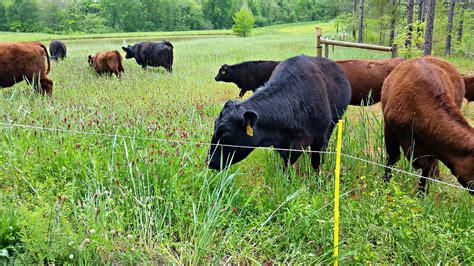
{"x": 107, "y": 62}
{"x": 366, "y": 77}
{"x": 25, "y": 61}
{"x": 469, "y": 82}
{"x": 420, "y": 101}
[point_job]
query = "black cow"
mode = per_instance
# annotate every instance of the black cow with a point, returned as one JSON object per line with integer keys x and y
{"x": 248, "y": 75}
{"x": 298, "y": 107}
{"x": 151, "y": 54}
{"x": 57, "y": 49}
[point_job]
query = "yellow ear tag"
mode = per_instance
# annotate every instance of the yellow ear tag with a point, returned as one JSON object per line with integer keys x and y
{"x": 249, "y": 130}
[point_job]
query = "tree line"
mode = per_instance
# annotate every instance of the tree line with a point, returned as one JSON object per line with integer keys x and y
{"x": 417, "y": 26}
{"x": 96, "y": 16}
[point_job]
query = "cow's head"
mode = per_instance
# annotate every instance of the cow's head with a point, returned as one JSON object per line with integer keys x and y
{"x": 90, "y": 59}
{"x": 235, "y": 126}
{"x": 129, "y": 51}
{"x": 225, "y": 74}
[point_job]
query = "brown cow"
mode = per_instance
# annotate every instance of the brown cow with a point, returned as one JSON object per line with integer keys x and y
{"x": 366, "y": 78}
{"x": 469, "y": 82}
{"x": 107, "y": 62}
{"x": 25, "y": 61}
{"x": 420, "y": 101}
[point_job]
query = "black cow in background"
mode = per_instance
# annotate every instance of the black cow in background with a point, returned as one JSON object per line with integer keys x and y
{"x": 57, "y": 49}
{"x": 298, "y": 107}
{"x": 151, "y": 54}
{"x": 248, "y": 75}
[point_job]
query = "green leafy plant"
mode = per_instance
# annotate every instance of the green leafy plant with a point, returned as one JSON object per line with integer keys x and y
{"x": 9, "y": 232}
{"x": 243, "y": 22}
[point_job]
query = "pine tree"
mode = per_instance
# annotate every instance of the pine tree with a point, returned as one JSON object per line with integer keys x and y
{"x": 447, "y": 48}
{"x": 429, "y": 27}
{"x": 361, "y": 21}
{"x": 243, "y": 22}
{"x": 409, "y": 23}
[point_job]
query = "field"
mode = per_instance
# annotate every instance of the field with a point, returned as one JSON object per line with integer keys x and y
{"x": 111, "y": 186}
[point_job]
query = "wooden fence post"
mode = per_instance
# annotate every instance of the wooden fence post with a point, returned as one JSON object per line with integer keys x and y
{"x": 319, "y": 48}
{"x": 394, "y": 50}
{"x": 326, "y": 50}
{"x": 333, "y": 44}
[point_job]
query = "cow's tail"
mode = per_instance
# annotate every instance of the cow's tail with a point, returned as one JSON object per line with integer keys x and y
{"x": 47, "y": 57}
{"x": 120, "y": 67}
{"x": 168, "y": 43}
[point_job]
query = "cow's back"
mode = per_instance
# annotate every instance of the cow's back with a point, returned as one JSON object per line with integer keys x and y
{"x": 309, "y": 86}
{"x": 426, "y": 90}
{"x": 19, "y": 60}
{"x": 366, "y": 77}
{"x": 337, "y": 86}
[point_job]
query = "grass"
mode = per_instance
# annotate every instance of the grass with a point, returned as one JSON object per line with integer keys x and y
{"x": 75, "y": 198}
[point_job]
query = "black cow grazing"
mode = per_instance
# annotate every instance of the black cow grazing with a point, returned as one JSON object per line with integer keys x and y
{"x": 57, "y": 49}
{"x": 298, "y": 107}
{"x": 151, "y": 54}
{"x": 248, "y": 76}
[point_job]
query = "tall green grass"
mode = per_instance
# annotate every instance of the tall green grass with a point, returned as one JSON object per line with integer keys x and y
{"x": 77, "y": 198}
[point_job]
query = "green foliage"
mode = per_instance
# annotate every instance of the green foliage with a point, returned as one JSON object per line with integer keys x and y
{"x": 243, "y": 22}
{"x": 9, "y": 232}
{"x": 417, "y": 41}
{"x": 219, "y": 12}
{"x": 71, "y": 16}
{"x": 22, "y": 15}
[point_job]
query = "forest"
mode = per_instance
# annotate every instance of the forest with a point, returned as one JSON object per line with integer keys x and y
{"x": 154, "y": 15}
{"x": 370, "y": 21}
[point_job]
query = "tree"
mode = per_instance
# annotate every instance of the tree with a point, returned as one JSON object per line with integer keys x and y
{"x": 361, "y": 21}
{"x": 429, "y": 27}
{"x": 3, "y": 18}
{"x": 409, "y": 23}
{"x": 462, "y": 6}
{"x": 219, "y": 12}
{"x": 22, "y": 15}
{"x": 421, "y": 14}
{"x": 243, "y": 22}
{"x": 449, "y": 29}
{"x": 354, "y": 11}
{"x": 393, "y": 21}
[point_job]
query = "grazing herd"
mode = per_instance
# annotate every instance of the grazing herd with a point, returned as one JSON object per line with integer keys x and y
{"x": 302, "y": 98}
{"x": 297, "y": 102}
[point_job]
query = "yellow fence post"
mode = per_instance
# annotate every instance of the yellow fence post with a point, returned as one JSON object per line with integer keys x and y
{"x": 336, "y": 193}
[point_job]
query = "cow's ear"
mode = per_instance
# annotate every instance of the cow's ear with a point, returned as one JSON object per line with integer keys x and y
{"x": 225, "y": 66}
{"x": 90, "y": 57}
{"x": 250, "y": 118}
{"x": 125, "y": 49}
{"x": 230, "y": 104}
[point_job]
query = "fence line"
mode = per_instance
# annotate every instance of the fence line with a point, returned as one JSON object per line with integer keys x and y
{"x": 11, "y": 125}
{"x": 319, "y": 41}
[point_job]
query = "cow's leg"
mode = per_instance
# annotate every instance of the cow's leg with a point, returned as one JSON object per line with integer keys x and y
{"x": 46, "y": 86}
{"x": 290, "y": 157}
{"x": 317, "y": 147}
{"x": 242, "y": 93}
{"x": 428, "y": 165}
{"x": 393, "y": 151}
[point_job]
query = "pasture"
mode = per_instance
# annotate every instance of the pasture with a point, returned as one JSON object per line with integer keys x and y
{"x": 110, "y": 186}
